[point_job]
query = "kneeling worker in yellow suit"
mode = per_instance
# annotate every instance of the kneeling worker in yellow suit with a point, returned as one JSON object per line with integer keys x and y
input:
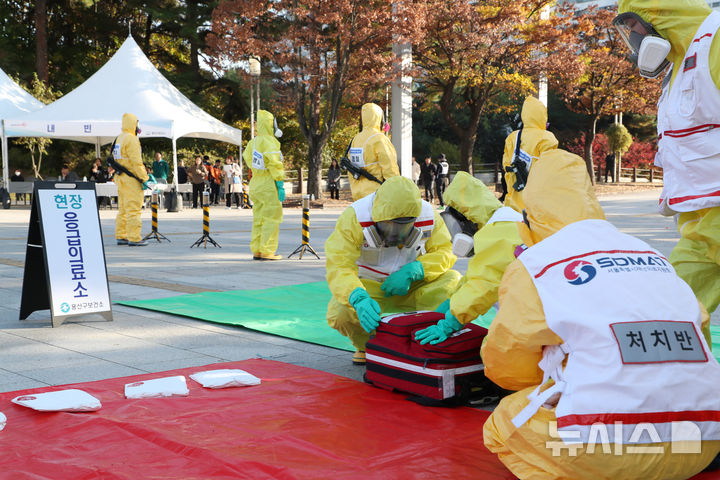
{"x": 128, "y": 155}
{"x": 390, "y": 252}
{"x": 485, "y": 230}
{"x": 603, "y": 341}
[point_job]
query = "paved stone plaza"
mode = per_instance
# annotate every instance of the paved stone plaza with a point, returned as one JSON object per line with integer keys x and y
{"x": 33, "y": 354}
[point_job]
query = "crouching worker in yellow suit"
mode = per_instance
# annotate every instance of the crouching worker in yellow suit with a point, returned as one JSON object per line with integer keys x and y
{"x": 128, "y": 154}
{"x": 485, "y": 230}
{"x": 390, "y": 252}
{"x": 604, "y": 342}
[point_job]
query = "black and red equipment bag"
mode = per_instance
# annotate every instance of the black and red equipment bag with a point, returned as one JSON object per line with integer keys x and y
{"x": 396, "y": 361}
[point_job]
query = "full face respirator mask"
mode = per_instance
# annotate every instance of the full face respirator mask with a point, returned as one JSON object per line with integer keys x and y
{"x": 461, "y": 230}
{"x": 648, "y": 50}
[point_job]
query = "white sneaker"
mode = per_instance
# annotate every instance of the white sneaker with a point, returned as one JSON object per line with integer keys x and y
{"x": 227, "y": 208}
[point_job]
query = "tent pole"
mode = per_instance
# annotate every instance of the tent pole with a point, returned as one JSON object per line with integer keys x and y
{"x": 97, "y": 147}
{"x": 175, "y": 174}
{"x": 5, "y": 159}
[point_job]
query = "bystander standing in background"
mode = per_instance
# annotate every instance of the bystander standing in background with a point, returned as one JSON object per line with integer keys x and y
{"x": 610, "y": 166}
{"x": 415, "y": 171}
{"x": 232, "y": 173}
{"x": 160, "y": 168}
{"x": 215, "y": 172}
{"x": 197, "y": 175}
{"x": 333, "y": 180}
{"x": 442, "y": 171}
{"x": 427, "y": 175}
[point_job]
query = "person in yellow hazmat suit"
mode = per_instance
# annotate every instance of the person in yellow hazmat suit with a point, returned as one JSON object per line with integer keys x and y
{"x": 372, "y": 152}
{"x": 534, "y": 140}
{"x": 601, "y": 338}
{"x": 262, "y": 155}
{"x": 486, "y": 231}
{"x": 390, "y": 252}
{"x": 131, "y": 183}
{"x": 684, "y": 34}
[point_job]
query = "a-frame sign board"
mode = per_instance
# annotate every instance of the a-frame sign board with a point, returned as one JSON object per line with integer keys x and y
{"x": 65, "y": 267}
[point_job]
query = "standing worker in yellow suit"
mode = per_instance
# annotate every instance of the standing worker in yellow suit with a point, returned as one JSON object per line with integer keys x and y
{"x": 684, "y": 34}
{"x": 534, "y": 140}
{"x": 372, "y": 152}
{"x": 128, "y": 155}
{"x": 262, "y": 154}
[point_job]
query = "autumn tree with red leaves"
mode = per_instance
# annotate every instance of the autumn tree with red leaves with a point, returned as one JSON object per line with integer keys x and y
{"x": 315, "y": 51}
{"x": 601, "y": 80}
{"x": 476, "y": 55}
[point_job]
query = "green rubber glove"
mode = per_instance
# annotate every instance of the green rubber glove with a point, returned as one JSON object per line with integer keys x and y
{"x": 398, "y": 283}
{"x": 146, "y": 185}
{"x": 439, "y": 333}
{"x": 281, "y": 190}
{"x": 367, "y": 309}
{"x": 444, "y": 307}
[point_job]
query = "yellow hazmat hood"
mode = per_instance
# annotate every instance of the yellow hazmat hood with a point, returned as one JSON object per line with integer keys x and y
{"x": 397, "y": 197}
{"x": 472, "y": 198}
{"x": 676, "y": 20}
{"x": 558, "y": 193}
{"x": 129, "y": 122}
{"x": 265, "y": 123}
{"x": 534, "y": 113}
{"x": 372, "y": 116}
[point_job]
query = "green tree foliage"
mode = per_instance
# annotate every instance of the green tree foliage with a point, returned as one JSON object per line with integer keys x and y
{"x": 83, "y": 34}
{"x": 619, "y": 139}
{"x": 39, "y": 145}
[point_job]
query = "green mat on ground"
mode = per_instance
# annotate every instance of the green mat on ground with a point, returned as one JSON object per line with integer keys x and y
{"x": 715, "y": 332}
{"x": 292, "y": 311}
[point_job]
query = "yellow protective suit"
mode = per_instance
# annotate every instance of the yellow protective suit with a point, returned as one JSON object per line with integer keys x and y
{"x": 267, "y": 209}
{"x": 378, "y": 152}
{"x": 696, "y": 257}
{"x": 398, "y": 197}
{"x": 494, "y": 247}
{"x": 535, "y": 139}
{"x": 128, "y": 224}
{"x": 558, "y": 193}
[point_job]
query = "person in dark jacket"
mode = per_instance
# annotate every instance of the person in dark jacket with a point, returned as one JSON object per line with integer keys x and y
{"x": 610, "y": 167}
{"x": 333, "y": 180}
{"x": 427, "y": 175}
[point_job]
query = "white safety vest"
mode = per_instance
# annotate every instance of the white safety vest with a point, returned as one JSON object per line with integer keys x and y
{"x": 377, "y": 263}
{"x": 688, "y": 129}
{"x": 505, "y": 214}
{"x": 632, "y": 336}
{"x": 444, "y": 168}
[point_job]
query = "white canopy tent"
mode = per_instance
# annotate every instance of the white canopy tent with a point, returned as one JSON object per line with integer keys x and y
{"x": 14, "y": 101}
{"x": 128, "y": 82}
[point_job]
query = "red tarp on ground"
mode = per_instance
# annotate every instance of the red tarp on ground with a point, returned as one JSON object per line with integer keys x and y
{"x": 299, "y": 423}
